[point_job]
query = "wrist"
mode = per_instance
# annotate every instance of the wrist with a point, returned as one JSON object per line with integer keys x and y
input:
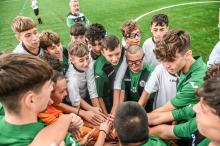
{"x": 103, "y": 131}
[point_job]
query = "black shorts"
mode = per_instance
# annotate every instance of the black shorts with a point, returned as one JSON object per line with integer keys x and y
{"x": 36, "y": 11}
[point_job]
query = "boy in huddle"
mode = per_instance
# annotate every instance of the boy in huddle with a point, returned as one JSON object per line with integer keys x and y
{"x": 50, "y": 42}
{"x": 26, "y": 32}
{"x": 76, "y": 73}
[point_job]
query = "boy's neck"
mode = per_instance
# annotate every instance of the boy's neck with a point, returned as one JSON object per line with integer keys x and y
{"x": 188, "y": 65}
{"x": 78, "y": 70}
{"x": 214, "y": 143}
{"x": 32, "y": 51}
{"x": 22, "y": 118}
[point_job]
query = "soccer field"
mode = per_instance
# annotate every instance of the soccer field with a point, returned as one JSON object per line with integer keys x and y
{"x": 200, "y": 19}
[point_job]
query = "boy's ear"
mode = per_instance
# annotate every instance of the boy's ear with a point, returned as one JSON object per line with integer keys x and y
{"x": 28, "y": 99}
{"x": 72, "y": 60}
{"x": 17, "y": 35}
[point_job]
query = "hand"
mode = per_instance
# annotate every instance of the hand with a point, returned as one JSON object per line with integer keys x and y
{"x": 77, "y": 122}
{"x": 92, "y": 118}
{"x": 86, "y": 139}
{"x": 106, "y": 126}
{"x": 76, "y": 133}
{"x": 99, "y": 113}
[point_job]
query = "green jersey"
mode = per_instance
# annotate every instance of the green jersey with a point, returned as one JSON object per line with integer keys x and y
{"x": 185, "y": 113}
{"x": 185, "y": 130}
{"x": 134, "y": 83}
{"x": 73, "y": 19}
{"x": 188, "y": 83}
{"x": 105, "y": 76}
{"x": 154, "y": 141}
{"x": 23, "y": 135}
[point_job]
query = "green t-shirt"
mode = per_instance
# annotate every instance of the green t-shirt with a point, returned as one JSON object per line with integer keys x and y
{"x": 188, "y": 83}
{"x": 155, "y": 141}
{"x": 104, "y": 76}
{"x": 205, "y": 142}
{"x": 23, "y": 135}
{"x": 185, "y": 130}
{"x": 185, "y": 113}
{"x": 134, "y": 79}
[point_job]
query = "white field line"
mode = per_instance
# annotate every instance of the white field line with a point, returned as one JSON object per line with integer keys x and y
{"x": 171, "y": 6}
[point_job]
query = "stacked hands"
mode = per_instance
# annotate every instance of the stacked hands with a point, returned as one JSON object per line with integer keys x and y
{"x": 103, "y": 123}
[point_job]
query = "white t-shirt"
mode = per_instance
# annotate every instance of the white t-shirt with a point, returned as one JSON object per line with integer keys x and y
{"x": 150, "y": 57}
{"x": 215, "y": 55}
{"x": 76, "y": 85}
{"x": 162, "y": 82}
{"x": 20, "y": 49}
{"x": 91, "y": 78}
{"x": 34, "y": 4}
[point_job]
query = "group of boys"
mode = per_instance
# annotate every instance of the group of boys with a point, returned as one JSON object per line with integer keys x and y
{"x": 46, "y": 88}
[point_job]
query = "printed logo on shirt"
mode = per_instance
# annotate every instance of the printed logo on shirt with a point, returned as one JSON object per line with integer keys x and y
{"x": 142, "y": 83}
{"x": 193, "y": 85}
{"x": 97, "y": 76}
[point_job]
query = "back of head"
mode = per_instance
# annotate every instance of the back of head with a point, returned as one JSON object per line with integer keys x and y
{"x": 77, "y": 29}
{"x": 173, "y": 42}
{"x": 210, "y": 93}
{"x": 212, "y": 71}
{"x": 53, "y": 62}
{"x": 78, "y": 49}
{"x": 131, "y": 123}
{"x": 20, "y": 73}
{"x": 48, "y": 38}
{"x": 160, "y": 20}
{"x": 95, "y": 32}
{"x": 128, "y": 27}
{"x": 22, "y": 23}
{"x": 110, "y": 43}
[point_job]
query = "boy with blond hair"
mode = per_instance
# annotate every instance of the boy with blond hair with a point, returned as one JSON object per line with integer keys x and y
{"x": 78, "y": 93}
{"x": 26, "y": 32}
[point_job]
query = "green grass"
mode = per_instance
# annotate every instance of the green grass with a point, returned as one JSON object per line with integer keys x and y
{"x": 199, "y": 20}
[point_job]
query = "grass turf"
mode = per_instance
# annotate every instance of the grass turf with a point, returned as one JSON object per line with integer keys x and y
{"x": 199, "y": 20}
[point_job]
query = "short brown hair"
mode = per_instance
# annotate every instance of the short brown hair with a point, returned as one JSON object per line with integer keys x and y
{"x": 174, "y": 41}
{"x": 48, "y": 38}
{"x": 77, "y": 29}
{"x": 78, "y": 49}
{"x": 210, "y": 92}
{"x": 128, "y": 27}
{"x": 20, "y": 73}
{"x": 110, "y": 43}
{"x": 212, "y": 71}
{"x": 22, "y": 23}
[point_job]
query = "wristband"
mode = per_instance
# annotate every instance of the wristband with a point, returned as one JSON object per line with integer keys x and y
{"x": 103, "y": 131}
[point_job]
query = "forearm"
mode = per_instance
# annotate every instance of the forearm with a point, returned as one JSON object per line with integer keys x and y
{"x": 163, "y": 131}
{"x": 67, "y": 108}
{"x": 101, "y": 139}
{"x": 95, "y": 102}
{"x": 85, "y": 105}
{"x": 165, "y": 108}
{"x": 50, "y": 132}
{"x": 144, "y": 98}
{"x": 116, "y": 100}
{"x": 156, "y": 118}
{"x": 102, "y": 104}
